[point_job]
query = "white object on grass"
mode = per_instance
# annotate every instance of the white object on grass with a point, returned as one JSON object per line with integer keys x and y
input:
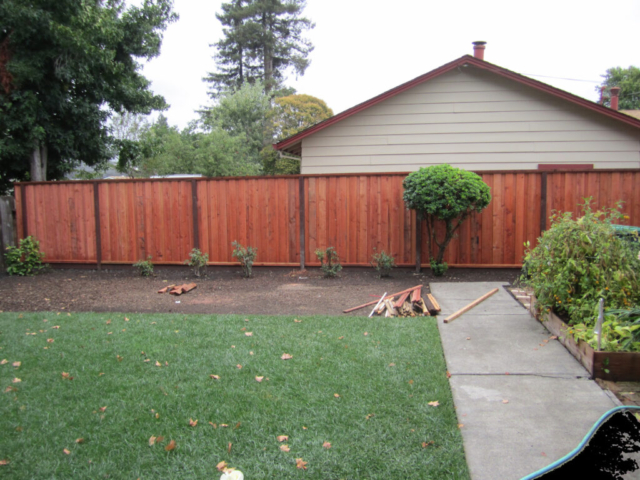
{"x": 232, "y": 475}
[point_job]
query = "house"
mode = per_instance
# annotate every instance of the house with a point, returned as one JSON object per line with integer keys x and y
{"x": 474, "y": 115}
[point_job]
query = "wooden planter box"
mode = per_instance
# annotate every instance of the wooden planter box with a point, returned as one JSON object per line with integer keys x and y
{"x": 621, "y": 366}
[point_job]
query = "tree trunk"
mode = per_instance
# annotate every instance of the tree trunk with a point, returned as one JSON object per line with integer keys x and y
{"x": 268, "y": 56}
{"x": 39, "y": 163}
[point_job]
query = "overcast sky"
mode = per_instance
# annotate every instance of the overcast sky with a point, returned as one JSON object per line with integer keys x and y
{"x": 365, "y": 47}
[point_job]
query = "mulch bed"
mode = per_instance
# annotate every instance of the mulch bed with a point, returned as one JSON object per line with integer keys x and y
{"x": 272, "y": 291}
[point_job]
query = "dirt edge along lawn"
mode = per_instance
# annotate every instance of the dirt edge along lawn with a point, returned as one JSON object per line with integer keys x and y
{"x": 359, "y": 397}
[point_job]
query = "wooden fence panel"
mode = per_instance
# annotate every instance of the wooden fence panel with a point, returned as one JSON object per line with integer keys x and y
{"x": 257, "y": 212}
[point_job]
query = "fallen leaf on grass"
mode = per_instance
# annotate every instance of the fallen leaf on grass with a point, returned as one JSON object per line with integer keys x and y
{"x": 434, "y": 404}
{"x": 119, "y": 358}
{"x": 239, "y": 366}
{"x": 56, "y": 327}
{"x": 410, "y": 382}
{"x": 16, "y": 380}
{"x": 326, "y": 445}
{"x": 237, "y": 426}
{"x": 108, "y": 322}
{"x": 460, "y": 425}
{"x": 223, "y": 425}
{"x": 157, "y": 415}
{"x": 285, "y": 448}
{"x": 286, "y": 356}
{"x": 448, "y": 374}
{"x": 305, "y": 428}
{"x": 166, "y": 364}
{"x": 4, "y": 462}
{"x": 426, "y": 444}
{"x": 79, "y": 440}
{"x": 66, "y": 452}
{"x": 297, "y": 321}
{"x": 229, "y": 447}
{"x": 337, "y": 395}
{"x": 248, "y": 334}
{"x": 109, "y": 333}
{"x": 152, "y": 441}
{"x": 392, "y": 364}
{"x": 50, "y": 340}
{"x": 369, "y": 416}
{"x": 65, "y": 375}
{"x": 159, "y": 439}
{"x": 170, "y": 446}
{"x": 126, "y": 319}
{"x": 193, "y": 423}
{"x": 147, "y": 360}
{"x": 16, "y": 364}
{"x": 10, "y": 389}
{"x": 100, "y": 374}
{"x": 282, "y": 438}
{"x": 213, "y": 425}
{"x": 250, "y": 353}
{"x": 158, "y": 364}
{"x": 259, "y": 379}
{"x": 222, "y": 466}
{"x": 215, "y": 377}
{"x": 4, "y": 361}
{"x": 366, "y": 334}
{"x": 341, "y": 338}
{"x": 102, "y": 409}
{"x": 301, "y": 464}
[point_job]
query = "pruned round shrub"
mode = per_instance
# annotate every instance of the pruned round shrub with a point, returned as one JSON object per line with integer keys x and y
{"x": 579, "y": 261}
{"x": 445, "y": 193}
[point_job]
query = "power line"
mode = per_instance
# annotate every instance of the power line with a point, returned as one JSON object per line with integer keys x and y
{"x": 561, "y": 78}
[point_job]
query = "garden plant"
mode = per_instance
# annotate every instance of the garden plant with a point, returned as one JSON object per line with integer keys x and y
{"x": 198, "y": 261}
{"x": 329, "y": 261}
{"x": 145, "y": 267}
{"x": 383, "y": 263}
{"x": 447, "y": 194}
{"x": 246, "y": 257}
{"x": 25, "y": 259}
{"x": 577, "y": 262}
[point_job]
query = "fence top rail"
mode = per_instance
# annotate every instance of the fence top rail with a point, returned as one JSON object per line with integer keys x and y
{"x": 315, "y": 175}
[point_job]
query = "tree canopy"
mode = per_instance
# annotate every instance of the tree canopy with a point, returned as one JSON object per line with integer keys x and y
{"x": 295, "y": 113}
{"x": 64, "y": 66}
{"x": 628, "y": 79}
{"x": 262, "y": 39}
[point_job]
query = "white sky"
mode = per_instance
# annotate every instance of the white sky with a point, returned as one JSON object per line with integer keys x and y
{"x": 364, "y": 47}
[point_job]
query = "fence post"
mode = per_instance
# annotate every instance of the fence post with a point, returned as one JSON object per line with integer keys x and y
{"x": 418, "y": 241}
{"x": 543, "y": 203}
{"x": 96, "y": 215}
{"x": 194, "y": 214}
{"x": 302, "y": 221}
{"x": 23, "y": 201}
{"x": 8, "y": 226}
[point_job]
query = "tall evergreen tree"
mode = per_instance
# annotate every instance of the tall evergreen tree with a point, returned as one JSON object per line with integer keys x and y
{"x": 262, "y": 40}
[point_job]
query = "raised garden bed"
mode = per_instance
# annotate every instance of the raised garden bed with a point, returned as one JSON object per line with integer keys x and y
{"x": 614, "y": 366}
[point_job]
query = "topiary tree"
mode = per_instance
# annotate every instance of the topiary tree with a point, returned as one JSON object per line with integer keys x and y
{"x": 445, "y": 193}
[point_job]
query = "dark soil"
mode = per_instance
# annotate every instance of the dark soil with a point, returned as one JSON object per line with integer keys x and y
{"x": 272, "y": 291}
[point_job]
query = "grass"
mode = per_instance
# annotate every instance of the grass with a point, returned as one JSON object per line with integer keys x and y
{"x": 376, "y": 426}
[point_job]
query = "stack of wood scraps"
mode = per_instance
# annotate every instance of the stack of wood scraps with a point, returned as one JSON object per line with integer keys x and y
{"x": 178, "y": 289}
{"x": 407, "y": 303}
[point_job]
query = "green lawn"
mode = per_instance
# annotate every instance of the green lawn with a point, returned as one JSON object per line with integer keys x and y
{"x": 376, "y": 426}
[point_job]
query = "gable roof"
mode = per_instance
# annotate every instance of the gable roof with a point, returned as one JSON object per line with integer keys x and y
{"x": 293, "y": 144}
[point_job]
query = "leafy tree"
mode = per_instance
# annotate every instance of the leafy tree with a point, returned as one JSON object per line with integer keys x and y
{"x": 295, "y": 113}
{"x": 628, "y": 79}
{"x": 61, "y": 64}
{"x": 263, "y": 38}
{"x": 445, "y": 193}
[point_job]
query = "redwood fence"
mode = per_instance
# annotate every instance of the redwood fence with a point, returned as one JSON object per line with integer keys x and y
{"x": 287, "y": 218}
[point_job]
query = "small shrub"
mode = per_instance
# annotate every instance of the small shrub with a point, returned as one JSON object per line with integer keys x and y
{"x": 329, "y": 262}
{"x": 198, "y": 261}
{"x": 246, "y": 256}
{"x": 145, "y": 267}
{"x": 577, "y": 262}
{"x": 438, "y": 269}
{"x": 383, "y": 263}
{"x": 25, "y": 259}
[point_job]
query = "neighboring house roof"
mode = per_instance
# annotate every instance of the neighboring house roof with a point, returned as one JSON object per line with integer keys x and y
{"x": 293, "y": 144}
{"x": 633, "y": 113}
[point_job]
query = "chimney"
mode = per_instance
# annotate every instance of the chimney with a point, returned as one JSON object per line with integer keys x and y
{"x": 478, "y": 49}
{"x": 615, "y": 91}
{"x": 601, "y": 101}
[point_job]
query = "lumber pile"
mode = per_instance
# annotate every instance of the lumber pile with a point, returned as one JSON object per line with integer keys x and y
{"x": 407, "y": 303}
{"x": 178, "y": 289}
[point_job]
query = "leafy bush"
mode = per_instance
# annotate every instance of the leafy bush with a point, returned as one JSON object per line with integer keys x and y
{"x": 329, "y": 262}
{"x": 245, "y": 256}
{"x": 383, "y": 263}
{"x": 445, "y": 193}
{"x": 198, "y": 261}
{"x": 438, "y": 269}
{"x": 145, "y": 267}
{"x": 577, "y": 262}
{"x": 25, "y": 259}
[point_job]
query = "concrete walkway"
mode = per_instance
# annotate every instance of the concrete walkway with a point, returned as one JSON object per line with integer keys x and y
{"x": 522, "y": 405}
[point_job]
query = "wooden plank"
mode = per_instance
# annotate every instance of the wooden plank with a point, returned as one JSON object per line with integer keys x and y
{"x": 401, "y": 299}
{"x": 509, "y": 201}
{"x": 393, "y": 295}
{"x": 543, "y": 203}
{"x": 433, "y": 302}
{"x": 194, "y": 214}
{"x": 468, "y": 307}
{"x": 24, "y": 207}
{"x": 302, "y": 218}
{"x": 96, "y": 212}
{"x": 498, "y": 220}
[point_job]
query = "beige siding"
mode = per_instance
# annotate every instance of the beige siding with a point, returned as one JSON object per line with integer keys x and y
{"x": 473, "y": 120}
